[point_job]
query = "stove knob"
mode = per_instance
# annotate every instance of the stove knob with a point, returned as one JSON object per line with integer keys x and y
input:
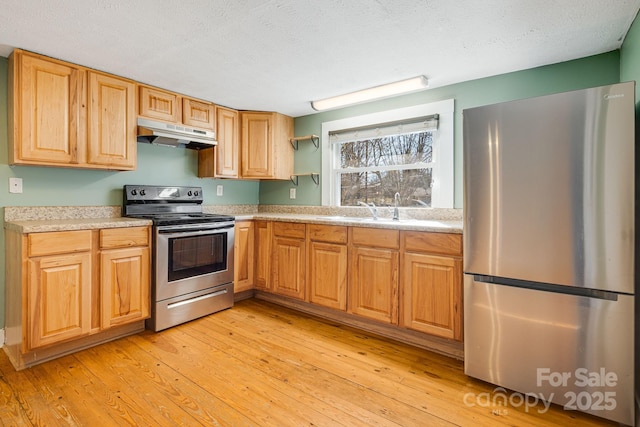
{"x": 142, "y": 192}
{"x": 195, "y": 194}
{"x": 134, "y": 192}
{"x": 189, "y": 193}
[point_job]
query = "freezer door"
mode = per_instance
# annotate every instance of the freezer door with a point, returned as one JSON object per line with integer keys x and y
{"x": 570, "y": 350}
{"x": 549, "y": 189}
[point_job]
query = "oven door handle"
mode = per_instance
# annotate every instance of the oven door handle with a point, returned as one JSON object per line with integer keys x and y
{"x": 193, "y": 232}
{"x": 196, "y": 299}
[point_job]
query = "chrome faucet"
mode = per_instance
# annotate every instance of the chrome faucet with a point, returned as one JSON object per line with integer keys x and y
{"x": 396, "y": 200}
{"x": 372, "y": 208}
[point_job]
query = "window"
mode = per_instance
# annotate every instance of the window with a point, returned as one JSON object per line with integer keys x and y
{"x": 409, "y": 151}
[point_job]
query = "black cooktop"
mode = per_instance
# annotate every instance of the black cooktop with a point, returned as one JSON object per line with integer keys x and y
{"x": 168, "y": 205}
{"x": 181, "y": 218}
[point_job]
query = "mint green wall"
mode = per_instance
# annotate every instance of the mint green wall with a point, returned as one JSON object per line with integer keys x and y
{"x": 75, "y": 187}
{"x": 630, "y": 58}
{"x": 582, "y": 73}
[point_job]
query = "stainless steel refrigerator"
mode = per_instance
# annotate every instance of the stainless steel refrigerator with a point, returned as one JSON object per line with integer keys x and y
{"x": 549, "y": 249}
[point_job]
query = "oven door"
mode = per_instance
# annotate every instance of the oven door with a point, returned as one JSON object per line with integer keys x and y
{"x": 191, "y": 258}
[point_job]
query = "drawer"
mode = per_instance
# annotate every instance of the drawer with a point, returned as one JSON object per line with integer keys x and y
{"x": 58, "y": 242}
{"x": 327, "y": 233}
{"x": 437, "y": 243}
{"x": 375, "y": 237}
{"x": 289, "y": 229}
{"x": 124, "y": 237}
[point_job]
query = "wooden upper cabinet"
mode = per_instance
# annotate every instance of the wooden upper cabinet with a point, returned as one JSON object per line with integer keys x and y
{"x": 69, "y": 116}
{"x": 45, "y": 109}
{"x": 159, "y": 104}
{"x": 223, "y": 160}
{"x": 198, "y": 114}
{"x": 265, "y": 148}
{"x": 112, "y": 122}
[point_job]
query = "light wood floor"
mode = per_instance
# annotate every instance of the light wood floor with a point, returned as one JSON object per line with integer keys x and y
{"x": 256, "y": 365}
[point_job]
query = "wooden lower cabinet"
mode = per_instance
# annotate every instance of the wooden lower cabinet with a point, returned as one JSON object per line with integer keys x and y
{"x": 328, "y": 274}
{"x": 405, "y": 282}
{"x": 59, "y": 298}
{"x": 327, "y": 265}
{"x": 431, "y": 284}
{"x": 262, "y": 271}
{"x": 125, "y": 285}
{"x": 67, "y": 290}
{"x": 243, "y": 256}
{"x": 373, "y": 285}
{"x": 432, "y": 294}
{"x": 373, "y": 279}
{"x": 288, "y": 267}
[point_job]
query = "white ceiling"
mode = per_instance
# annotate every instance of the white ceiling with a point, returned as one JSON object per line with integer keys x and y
{"x": 279, "y": 55}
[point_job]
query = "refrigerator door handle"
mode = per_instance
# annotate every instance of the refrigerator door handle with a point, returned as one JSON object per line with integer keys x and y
{"x": 548, "y": 287}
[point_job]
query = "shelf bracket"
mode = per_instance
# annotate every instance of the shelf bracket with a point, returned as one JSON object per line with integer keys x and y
{"x": 315, "y": 140}
{"x": 315, "y": 177}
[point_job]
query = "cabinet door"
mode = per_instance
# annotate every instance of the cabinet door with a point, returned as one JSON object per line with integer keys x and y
{"x": 289, "y": 267}
{"x": 328, "y": 274}
{"x": 432, "y": 299}
{"x": 198, "y": 114}
{"x": 257, "y": 137}
{"x": 243, "y": 256}
{"x": 227, "y": 152}
{"x": 373, "y": 289}
{"x": 263, "y": 255}
{"x": 112, "y": 122}
{"x": 125, "y": 286}
{"x": 48, "y": 116}
{"x": 159, "y": 104}
{"x": 59, "y": 298}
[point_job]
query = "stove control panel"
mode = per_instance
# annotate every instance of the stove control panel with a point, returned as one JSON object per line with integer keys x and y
{"x": 160, "y": 194}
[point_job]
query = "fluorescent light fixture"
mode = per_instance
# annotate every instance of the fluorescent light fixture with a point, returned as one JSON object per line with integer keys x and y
{"x": 384, "y": 91}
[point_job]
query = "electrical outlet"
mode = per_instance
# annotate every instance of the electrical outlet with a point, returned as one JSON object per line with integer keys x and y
{"x": 219, "y": 190}
{"x": 15, "y": 185}
{"x": 292, "y": 193}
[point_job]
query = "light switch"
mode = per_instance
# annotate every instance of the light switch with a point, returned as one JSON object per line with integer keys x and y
{"x": 15, "y": 185}
{"x": 219, "y": 190}
{"x": 292, "y": 193}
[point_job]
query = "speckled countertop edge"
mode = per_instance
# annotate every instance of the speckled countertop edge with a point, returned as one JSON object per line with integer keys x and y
{"x": 30, "y": 219}
{"x": 43, "y": 226}
{"x": 438, "y": 226}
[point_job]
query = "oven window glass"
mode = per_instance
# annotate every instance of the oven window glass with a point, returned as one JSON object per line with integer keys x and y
{"x": 197, "y": 255}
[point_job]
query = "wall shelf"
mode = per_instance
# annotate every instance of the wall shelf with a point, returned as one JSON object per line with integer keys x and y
{"x": 315, "y": 177}
{"x": 315, "y": 140}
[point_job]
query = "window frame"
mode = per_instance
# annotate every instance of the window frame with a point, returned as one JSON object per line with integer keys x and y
{"x": 443, "y": 151}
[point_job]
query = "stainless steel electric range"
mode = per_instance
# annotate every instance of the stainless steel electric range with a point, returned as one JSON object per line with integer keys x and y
{"x": 192, "y": 253}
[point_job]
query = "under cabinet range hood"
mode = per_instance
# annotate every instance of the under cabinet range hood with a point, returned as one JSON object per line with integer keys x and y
{"x": 160, "y": 133}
